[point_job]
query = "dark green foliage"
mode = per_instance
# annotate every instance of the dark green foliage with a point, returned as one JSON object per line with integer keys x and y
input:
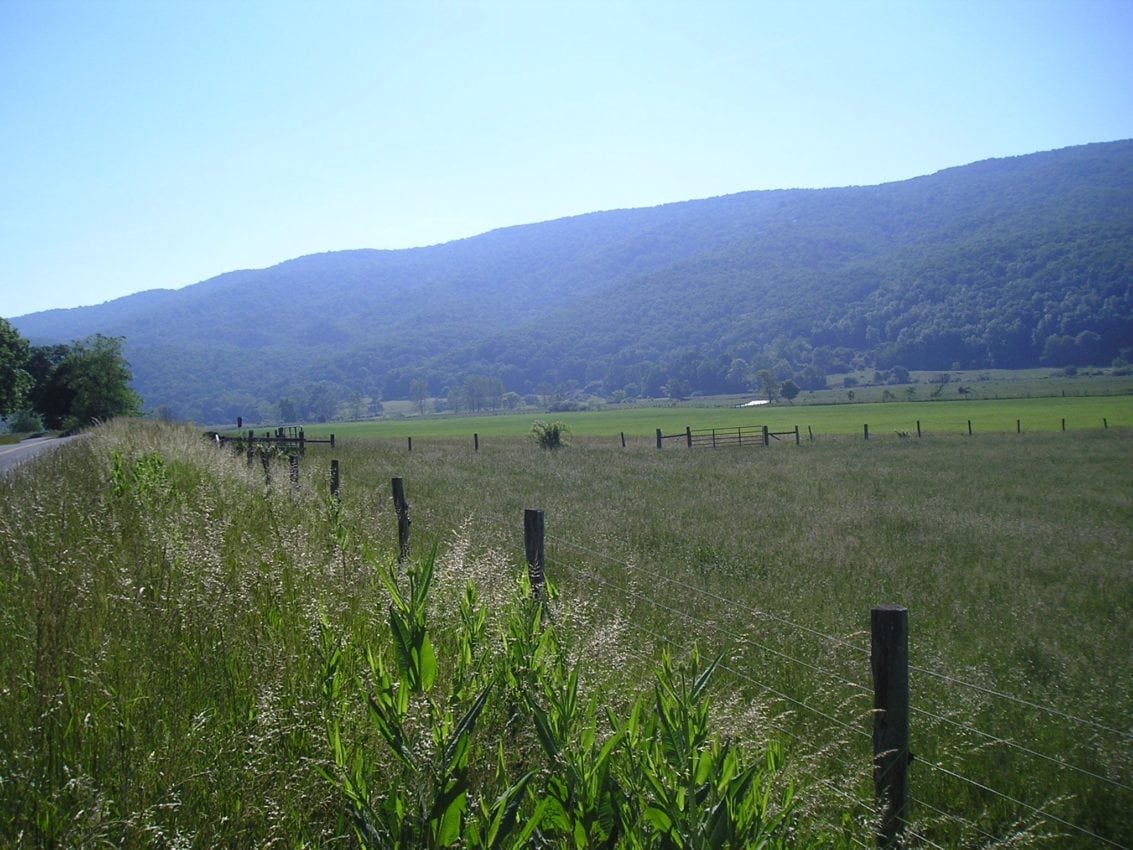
{"x": 14, "y": 378}
{"x": 1005, "y": 263}
{"x": 89, "y": 383}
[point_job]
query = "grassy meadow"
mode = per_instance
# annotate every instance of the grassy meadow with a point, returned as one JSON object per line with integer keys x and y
{"x": 640, "y": 422}
{"x": 167, "y": 627}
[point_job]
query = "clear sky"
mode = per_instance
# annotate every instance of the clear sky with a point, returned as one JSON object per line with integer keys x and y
{"x": 157, "y": 143}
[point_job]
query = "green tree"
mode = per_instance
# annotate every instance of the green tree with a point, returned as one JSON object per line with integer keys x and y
{"x": 677, "y": 388}
{"x": 91, "y": 383}
{"x": 15, "y": 382}
{"x": 789, "y": 390}
{"x": 419, "y": 392}
{"x": 768, "y": 384}
{"x": 288, "y": 412}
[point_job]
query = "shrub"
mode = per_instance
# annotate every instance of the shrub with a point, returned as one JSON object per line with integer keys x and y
{"x": 24, "y": 422}
{"x": 550, "y": 435}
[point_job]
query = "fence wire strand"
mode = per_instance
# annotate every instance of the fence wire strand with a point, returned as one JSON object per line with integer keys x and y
{"x": 507, "y": 528}
{"x": 1033, "y": 809}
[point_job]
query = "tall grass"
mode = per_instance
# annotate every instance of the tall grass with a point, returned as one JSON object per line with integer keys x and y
{"x": 167, "y": 620}
{"x": 157, "y": 608}
{"x": 1011, "y": 552}
{"x": 194, "y": 657}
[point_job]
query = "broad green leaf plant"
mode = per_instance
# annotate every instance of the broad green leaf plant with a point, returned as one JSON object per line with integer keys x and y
{"x": 655, "y": 779}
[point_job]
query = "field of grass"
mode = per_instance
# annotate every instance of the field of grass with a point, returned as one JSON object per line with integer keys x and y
{"x": 639, "y": 423}
{"x": 163, "y": 630}
{"x": 1011, "y": 551}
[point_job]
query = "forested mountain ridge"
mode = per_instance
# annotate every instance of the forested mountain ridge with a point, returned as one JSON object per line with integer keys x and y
{"x": 1012, "y": 262}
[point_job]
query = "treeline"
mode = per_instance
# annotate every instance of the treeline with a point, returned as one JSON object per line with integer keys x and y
{"x": 63, "y": 387}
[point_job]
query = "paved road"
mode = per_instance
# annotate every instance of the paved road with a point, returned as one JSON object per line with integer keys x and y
{"x": 13, "y": 456}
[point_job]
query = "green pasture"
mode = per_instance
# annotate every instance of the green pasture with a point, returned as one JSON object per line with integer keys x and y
{"x": 167, "y": 626}
{"x": 885, "y": 419}
{"x": 1003, "y": 546}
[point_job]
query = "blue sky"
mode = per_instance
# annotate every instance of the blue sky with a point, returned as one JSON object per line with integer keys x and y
{"x": 156, "y": 143}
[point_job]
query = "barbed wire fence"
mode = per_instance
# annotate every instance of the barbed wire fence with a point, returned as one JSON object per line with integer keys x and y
{"x": 948, "y": 799}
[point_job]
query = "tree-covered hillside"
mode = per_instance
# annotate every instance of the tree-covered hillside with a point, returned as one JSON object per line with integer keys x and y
{"x": 1005, "y": 263}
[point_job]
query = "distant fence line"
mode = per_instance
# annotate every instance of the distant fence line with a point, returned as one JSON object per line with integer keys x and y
{"x": 291, "y": 440}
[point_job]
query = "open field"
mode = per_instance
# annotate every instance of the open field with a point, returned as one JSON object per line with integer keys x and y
{"x": 1011, "y": 551}
{"x": 161, "y": 628}
{"x": 639, "y": 423}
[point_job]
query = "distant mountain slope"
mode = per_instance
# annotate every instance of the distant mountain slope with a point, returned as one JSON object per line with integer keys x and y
{"x": 1010, "y": 262}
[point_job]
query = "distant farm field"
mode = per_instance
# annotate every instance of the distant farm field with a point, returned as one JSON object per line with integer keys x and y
{"x": 831, "y": 420}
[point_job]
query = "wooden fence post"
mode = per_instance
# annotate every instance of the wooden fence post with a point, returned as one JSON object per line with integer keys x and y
{"x": 1064, "y": 423}
{"x": 810, "y": 433}
{"x": 798, "y": 439}
{"x": 251, "y": 446}
{"x": 533, "y": 546}
{"x": 623, "y": 439}
{"x": 1105, "y": 423}
{"x": 766, "y": 436}
{"x": 688, "y": 435}
{"x": 402, "y": 508}
{"x": 332, "y": 441}
{"x": 969, "y": 427}
{"x": 409, "y": 442}
{"x": 658, "y": 438}
{"x": 1018, "y": 426}
{"x": 865, "y": 430}
{"x": 476, "y": 442}
{"x": 334, "y": 479}
{"x": 918, "y": 429}
{"x": 889, "y": 660}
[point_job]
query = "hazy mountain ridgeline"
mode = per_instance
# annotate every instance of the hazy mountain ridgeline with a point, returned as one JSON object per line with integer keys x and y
{"x": 1005, "y": 263}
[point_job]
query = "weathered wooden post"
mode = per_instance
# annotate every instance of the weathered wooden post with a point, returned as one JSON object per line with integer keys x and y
{"x": 1105, "y": 423}
{"x": 533, "y": 546}
{"x": 334, "y": 479}
{"x": 251, "y": 446}
{"x": 766, "y": 436}
{"x": 798, "y": 439}
{"x": 476, "y": 442}
{"x": 969, "y": 427}
{"x": 1064, "y": 423}
{"x": 889, "y": 660}
{"x": 688, "y": 435}
{"x": 409, "y": 442}
{"x": 810, "y": 433}
{"x": 658, "y": 438}
{"x": 402, "y": 508}
{"x": 713, "y": 438}
{"x": 623, "y": 439}
{"x": 302, "y": 441}
{"x": 918, "y": 429}
{"x": 332, "y": 441}
{"x": 1018, "y": 426}
{"x": 865, "y": 431}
